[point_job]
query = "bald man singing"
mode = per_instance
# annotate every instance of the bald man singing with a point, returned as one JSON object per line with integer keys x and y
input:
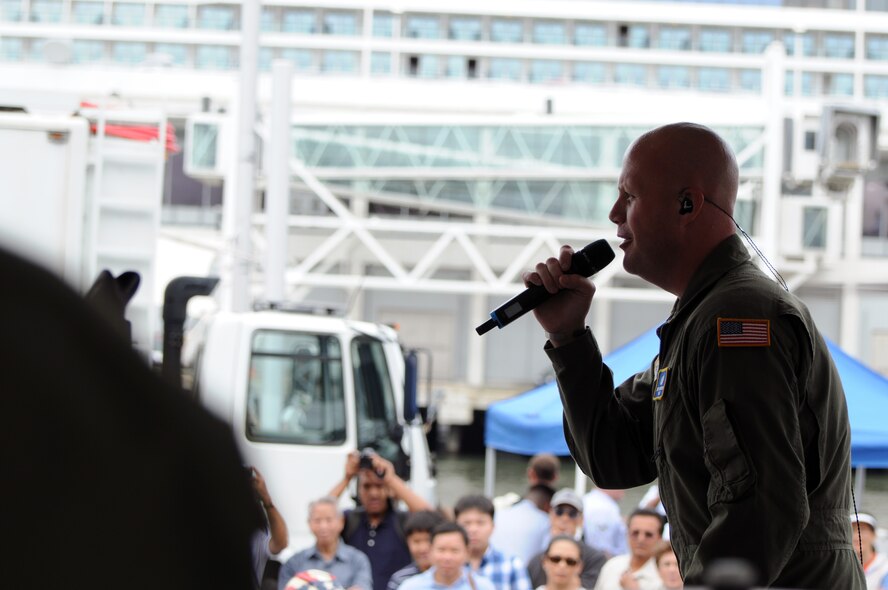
{"x": 741, "y": 416}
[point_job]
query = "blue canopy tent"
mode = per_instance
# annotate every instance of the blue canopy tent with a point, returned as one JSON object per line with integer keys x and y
{"x": 531, "y": 422}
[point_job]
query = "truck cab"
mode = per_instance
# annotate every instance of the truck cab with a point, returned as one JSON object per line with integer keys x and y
{"x": 301, "y": 391}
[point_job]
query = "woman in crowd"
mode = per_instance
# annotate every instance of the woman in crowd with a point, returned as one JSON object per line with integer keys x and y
{"x": 562, "y": 563}
{"x": 667, "y": 567}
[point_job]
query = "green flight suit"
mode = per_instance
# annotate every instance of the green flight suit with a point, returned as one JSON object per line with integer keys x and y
{"x": 749, "y": 435}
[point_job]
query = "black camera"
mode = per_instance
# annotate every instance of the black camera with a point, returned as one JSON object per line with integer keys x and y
{"x": 366, "y": 461}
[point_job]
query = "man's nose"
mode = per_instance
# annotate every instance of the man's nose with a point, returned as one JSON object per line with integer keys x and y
{"x": 616, "y": 213}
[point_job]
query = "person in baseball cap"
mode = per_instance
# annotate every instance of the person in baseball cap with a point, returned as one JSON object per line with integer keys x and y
{"x": 875, "y": 565}
{"x": 566, "y": 518}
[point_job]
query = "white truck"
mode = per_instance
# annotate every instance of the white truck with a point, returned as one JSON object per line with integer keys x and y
{"x": 82, "y": 193}
{"x": 301, "y": 391}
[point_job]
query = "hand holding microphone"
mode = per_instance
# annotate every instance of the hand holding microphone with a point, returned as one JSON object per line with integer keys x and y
{"x": 547, "y": 281}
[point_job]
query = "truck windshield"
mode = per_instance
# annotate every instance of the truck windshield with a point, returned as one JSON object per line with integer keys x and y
{"x": 295, "y": 393}
{"x": 377, "y": 419}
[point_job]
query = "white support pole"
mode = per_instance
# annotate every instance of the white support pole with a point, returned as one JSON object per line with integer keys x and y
{"x": 246, "y": 156}
{"x": 859, "y": 485}
{"x": 277, "y": 198}
{"x": 579, "y": 481}
{"x": 489, "y": 471}
{"x": 769, "y": 216}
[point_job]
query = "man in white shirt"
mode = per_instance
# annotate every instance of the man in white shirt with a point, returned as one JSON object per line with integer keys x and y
{"x": 520, "y": 529}
{"x": 637, "y": 569}
{"x": 603, "y": 526}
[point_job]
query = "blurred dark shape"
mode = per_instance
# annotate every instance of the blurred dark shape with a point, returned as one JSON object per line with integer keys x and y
{"x": 175, "y": 311}
{"x": 730, "y": 574}
{"x": 109, "y": 296}
{"x": 111, "y": 478}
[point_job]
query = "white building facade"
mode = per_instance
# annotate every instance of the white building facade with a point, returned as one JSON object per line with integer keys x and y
{"x": 440, "y": 148}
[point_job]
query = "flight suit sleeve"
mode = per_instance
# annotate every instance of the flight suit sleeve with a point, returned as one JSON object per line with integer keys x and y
{"x": 752, "y": 446}
{"x": 609, "y": 432}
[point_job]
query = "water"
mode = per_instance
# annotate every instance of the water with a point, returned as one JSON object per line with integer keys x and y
{"x": 464, "y": 474}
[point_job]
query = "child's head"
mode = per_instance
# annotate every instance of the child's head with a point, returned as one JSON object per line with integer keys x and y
{"x": 418, "y": 533}
{"x": 474, "y": 513}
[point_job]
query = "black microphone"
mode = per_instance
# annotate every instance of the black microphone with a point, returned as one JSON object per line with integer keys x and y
{"x": 585, "y": 262}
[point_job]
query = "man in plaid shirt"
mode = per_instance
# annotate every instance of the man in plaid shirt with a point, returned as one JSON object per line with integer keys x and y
{"x": 507, "y": 572}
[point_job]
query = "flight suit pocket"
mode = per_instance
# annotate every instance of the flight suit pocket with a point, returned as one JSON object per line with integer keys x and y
{"x": 730, "y": 471}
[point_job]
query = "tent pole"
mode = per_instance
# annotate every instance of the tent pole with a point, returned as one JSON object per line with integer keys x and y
{"x": 579, "y": 480}
{"x": 859, "y": 482}
{"x": 489, "y": 471}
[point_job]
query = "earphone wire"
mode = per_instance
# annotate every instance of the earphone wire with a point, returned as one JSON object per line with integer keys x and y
{"x": 761, "y": 254}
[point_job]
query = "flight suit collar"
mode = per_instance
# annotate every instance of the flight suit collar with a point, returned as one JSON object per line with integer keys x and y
{"x": 729, "y": 254}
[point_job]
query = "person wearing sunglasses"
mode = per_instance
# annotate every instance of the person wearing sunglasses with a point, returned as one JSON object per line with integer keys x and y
{"x": 563, "y": 562}
{"x": 566, "y": 519}
{"x": 637, "y": 569}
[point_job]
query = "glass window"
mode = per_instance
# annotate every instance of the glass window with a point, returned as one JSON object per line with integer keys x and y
{"x": 630, "y": 74}
{"x": 341, "y": 23}
{"x": 87, "y": 51}
{"x": 789, "y": 84}
{"x": 46, "y": 11}
{"x": 178, "y": 53}
{"x": 219, "y": 18}
{"x": 173, "y": 16}
{"x": 88, "y": 13}
{"x": 214, "y": 57}
{"x": 295, "y": 394}
{"x": 674, "y": 77}
{"x": 546, "y": 70}
{"x": 838, "y": 45}
{"x": 750, "y": 80}
{"x": 506, "y": 31}
{"x": 590, "y": 34}
{"x": 591, "y": 73}
{"x": 549, "y": 33}
{"x": 266, "y": 56}
{"x": 806, "y": 39}
{"x": 455, "y": 67}
{"x": 809, "y": 81}
{"x": 339, "y": 62}
{"x": 299, "y": 21}
{"x": 839, "y": 84}
{"x": 715, "y": 40}
{"x": 423, "y": 27}
{"x": 465, "y": 28}
{"x": 503, "y": 68}
{"x": 875, "y": 86}
{"x": 374, "y": 396}
{"x": 303, "y": 59}
{"x": 877, "y": 5}
{"x": 268, "y": 20}
{"x": 127, "y": 14}
{"x": 637, "y": 36}
{"x": 12, "y": 49}
{"x": 755, "y": 41}
{"x": 383, "y": 24}
{"x": 423, "y": 66}
{"x": 714, "y": 79}
{"x": 877, "y": 47}
{"x": 814, "y": 223}
{"x": 675, "y": 38}
{"x": 380, "y": 63}
{"x": 130, "y": 53}
{"x": 11, "y": 11}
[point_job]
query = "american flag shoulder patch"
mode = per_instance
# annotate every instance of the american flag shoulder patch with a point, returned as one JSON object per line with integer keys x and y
{"x": 743, "y": 332}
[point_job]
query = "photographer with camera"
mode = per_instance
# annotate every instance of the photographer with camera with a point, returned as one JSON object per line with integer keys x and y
{"x": 376, "y": 526}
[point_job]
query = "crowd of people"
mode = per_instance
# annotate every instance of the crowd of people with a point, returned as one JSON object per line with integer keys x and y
{"x": 547, "y": 540}
{"x": 541, "y": 542}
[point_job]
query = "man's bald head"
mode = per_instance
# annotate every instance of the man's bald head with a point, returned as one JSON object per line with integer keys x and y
{"x": 697, "y": 157}
{"x": 675, "y": 202}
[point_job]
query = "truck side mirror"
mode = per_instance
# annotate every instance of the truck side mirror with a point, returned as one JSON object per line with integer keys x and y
{"x": 411, "y": 375}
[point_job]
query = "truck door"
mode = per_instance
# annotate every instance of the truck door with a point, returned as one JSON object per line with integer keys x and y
{"x": 377, "y": 420}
